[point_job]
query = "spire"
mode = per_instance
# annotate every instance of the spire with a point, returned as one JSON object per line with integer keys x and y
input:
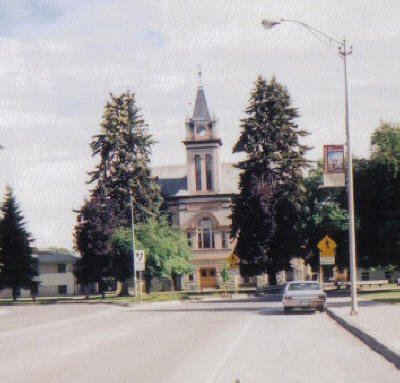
{"x": 200, "y": 111}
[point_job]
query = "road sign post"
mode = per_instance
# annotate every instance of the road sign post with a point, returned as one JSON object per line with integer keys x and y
{"x": 327, "y": 252}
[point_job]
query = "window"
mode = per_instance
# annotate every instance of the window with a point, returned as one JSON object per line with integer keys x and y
{"x": 191, "y": 278}
{"x": 61, "y": 268}
{"x": 209, "y": 172}
{"x": 189, "y": 239}
{"x": 197, "y": 167}
{"x": 224, "y": 239}
{"x": 205, "y": 234}
{"x": 62, "y": 289}
{"x": 365, "y": 276}
{"x": 203, "y": 273}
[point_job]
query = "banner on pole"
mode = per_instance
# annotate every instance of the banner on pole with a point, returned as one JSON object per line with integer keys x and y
{"x": 334, "y": 172}
{"x": 139, "y": 260}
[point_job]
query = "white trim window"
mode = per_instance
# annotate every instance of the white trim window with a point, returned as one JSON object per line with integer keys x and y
{"x": 205, "y": 234}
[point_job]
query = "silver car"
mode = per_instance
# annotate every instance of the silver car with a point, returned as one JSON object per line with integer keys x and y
{"x": 304, "y": 295}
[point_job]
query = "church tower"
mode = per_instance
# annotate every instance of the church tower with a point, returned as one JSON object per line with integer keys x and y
{"x": 202, "y": 148}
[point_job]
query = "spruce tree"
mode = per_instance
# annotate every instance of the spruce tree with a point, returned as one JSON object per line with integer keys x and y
{"x": 18, "y": 267}
{"x": 92, "y": 241}
{"x": 266, "y": 214}
{"x": 124, "y": 147}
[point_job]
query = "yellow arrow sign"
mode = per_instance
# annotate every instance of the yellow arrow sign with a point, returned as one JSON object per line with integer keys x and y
{"x": 327, "y": 245}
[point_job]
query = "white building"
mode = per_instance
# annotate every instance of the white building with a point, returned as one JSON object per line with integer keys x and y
{"x": 55, "y": 276}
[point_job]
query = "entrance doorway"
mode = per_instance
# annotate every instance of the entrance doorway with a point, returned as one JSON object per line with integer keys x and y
{"x": 208, "y": 277}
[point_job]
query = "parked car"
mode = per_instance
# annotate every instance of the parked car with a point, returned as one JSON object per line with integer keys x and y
{"x": 304, "y": 295}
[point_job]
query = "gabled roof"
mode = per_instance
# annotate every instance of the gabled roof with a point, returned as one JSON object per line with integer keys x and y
{"x": 173, "y": 180}
{"x": 54, "y": 257}
{"x": 200, "y": 111}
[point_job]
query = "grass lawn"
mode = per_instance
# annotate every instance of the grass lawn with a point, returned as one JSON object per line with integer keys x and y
{"x": 388, "y": 296}
{"x": 113, "y": 298}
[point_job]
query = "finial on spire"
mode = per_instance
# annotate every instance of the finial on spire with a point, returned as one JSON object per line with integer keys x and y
{"x": 198, "y": 75}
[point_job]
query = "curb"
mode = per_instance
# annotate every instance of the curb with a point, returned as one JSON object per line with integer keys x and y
{"x": 369, "y": 340}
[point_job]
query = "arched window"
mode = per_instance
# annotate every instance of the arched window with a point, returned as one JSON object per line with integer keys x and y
{"x": 197, "y": 169}
{"x": 205, "y": 234}
{"x": 209, "y": 178}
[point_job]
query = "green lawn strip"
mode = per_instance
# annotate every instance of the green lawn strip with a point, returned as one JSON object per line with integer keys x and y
{"x": 389, "y": 296}
{"x": 113, "y": 298}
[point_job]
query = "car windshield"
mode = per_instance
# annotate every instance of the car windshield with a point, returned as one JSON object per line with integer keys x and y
{"x": 303, "y": 286}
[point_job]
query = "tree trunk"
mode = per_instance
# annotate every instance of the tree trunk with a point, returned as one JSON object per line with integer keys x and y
{"x": 124, "y": 290}
{"x": 86, "y": 291}
{"x": 272, "y": 277}
{"x": 14, "y": 293}
{"x": 147, "y": 279}
{"x": 101, "y": 287}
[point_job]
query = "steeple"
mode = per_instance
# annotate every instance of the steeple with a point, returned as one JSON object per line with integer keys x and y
{"x": 200, "y": 111}
{"x": 202, "y": 147}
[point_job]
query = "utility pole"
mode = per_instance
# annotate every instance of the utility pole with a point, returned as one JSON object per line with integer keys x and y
{"x": 133, "y": 238}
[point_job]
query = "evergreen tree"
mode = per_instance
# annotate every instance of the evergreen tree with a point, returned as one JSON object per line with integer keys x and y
{"x": 124, "y": 147}
{"x": 266, "y": 215}
{"x": 92, "y": 242}
{"x": 18, "y": 267}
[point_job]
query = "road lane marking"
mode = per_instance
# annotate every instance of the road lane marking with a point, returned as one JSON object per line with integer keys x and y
{"x": 228, "y": 352}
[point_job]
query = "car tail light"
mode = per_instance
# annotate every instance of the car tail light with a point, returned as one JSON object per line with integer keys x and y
{"x": 287, "y": 298}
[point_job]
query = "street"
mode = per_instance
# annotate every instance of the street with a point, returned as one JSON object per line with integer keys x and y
{"x": 216, "y": 341}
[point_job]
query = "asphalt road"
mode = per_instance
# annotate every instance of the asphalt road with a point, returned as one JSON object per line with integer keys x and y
{"x": 220, "y": 341}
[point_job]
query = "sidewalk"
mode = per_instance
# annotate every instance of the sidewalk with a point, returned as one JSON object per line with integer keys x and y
{"x": 377, "y": 324}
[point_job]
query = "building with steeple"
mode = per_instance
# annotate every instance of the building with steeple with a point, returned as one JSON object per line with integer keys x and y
{"x": 199, "y": 196}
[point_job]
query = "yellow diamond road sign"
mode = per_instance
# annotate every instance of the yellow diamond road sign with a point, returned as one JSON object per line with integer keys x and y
{"x": 327, "y": 246}
{"x": 233, "y": 259}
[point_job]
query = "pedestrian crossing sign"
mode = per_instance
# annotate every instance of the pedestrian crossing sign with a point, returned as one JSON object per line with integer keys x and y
{"x": 327, "y": 247}
{"x": 233, "y": 260}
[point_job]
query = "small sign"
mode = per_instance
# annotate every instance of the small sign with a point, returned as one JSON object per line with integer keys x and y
{"x": 326, "y": 260}
{"x": 140, "y": 260}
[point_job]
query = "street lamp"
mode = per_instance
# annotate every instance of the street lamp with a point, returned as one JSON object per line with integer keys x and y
{"x": 343, "y": 53}
{"x": 133, "y": 237}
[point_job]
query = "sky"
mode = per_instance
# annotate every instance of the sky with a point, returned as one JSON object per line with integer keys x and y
{"x": 61, "y": 59}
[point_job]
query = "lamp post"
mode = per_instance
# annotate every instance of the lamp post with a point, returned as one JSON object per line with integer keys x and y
{"x": 133, "y": 237}
{"x": 343, "y": 53}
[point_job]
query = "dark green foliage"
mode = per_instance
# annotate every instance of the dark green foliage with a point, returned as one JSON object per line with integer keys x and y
{"x": 92, "y": 241}
{"x": 124, "y": 147}
{"x": 376, "y": 192}
{"x": 122, "y": 256}
{"x": 17, "y": 266}
{"x": 266, "y": 214}
{"x": 325, "y": 213}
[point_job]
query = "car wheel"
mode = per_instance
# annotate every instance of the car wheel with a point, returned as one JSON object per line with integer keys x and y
{"x": 287, "y": 309}
{"x": 321, "y": 309}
